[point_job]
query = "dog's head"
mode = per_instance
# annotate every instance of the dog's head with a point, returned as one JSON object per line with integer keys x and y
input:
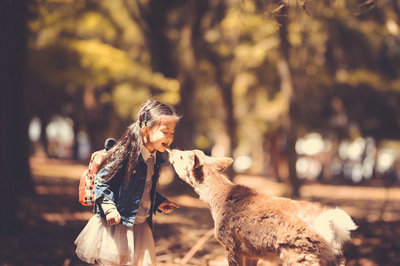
{"x": 193, "y": 165}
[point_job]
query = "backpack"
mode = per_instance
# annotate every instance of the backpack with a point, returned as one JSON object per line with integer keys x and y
{"x": 86, "y": 183}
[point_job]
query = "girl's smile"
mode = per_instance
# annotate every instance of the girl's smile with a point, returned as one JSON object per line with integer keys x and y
{"x": 160, "y": 136}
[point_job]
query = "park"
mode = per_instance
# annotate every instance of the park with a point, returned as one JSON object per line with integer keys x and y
{"x": 304, "y": 96}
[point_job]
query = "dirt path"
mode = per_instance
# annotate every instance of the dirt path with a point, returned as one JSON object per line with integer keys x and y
{"x": 375, "y": 210}
{"x": 53, "y": 219}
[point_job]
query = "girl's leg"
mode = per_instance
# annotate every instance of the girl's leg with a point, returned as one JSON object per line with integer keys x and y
{"x": 145, "y": 254}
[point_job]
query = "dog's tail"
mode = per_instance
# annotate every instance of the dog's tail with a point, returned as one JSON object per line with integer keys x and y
{"x": 334, "y": 226}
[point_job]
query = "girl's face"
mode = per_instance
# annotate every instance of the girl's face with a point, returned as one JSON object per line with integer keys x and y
{"x": 160, "y": 136}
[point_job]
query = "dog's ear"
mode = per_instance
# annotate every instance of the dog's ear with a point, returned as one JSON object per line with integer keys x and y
{"x": 220, "y": 164}
{"x": 198, "y": 158}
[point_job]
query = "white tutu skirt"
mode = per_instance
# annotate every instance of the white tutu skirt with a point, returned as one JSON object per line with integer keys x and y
{"x": 107, "y": 244}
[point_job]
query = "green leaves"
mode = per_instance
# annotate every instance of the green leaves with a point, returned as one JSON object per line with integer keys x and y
{"x": 97, "y": 45}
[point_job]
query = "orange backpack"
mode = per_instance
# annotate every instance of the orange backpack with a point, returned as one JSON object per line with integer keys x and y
{"x": 86, "y": 184}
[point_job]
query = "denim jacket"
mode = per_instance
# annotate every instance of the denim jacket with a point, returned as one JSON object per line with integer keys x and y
{"x": 127, "y": 198}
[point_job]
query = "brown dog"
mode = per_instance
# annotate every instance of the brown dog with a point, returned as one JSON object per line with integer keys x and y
{"x": 252, "y": 226}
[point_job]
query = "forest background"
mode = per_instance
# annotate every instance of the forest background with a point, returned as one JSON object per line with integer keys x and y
{"x": 297, "y": 92}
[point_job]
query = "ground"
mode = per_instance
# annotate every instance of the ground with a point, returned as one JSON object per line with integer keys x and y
{"x": 53, "y": 218}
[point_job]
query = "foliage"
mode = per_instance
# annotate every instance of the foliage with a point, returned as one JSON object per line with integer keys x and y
{"x": 77, "y": 46}
{"x": 124, "y": 52}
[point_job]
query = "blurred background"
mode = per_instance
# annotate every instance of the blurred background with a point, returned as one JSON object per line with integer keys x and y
{"x": 304, "y": 95}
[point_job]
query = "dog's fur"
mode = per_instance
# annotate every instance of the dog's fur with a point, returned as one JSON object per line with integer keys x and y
{"x": 252, "y": 226}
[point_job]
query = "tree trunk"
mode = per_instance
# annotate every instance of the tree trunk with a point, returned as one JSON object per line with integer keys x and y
{"x": 273, "y": 149}
{"x": 44, "y": 119}
{"x": 15, "y": 178}
{"x": 166, "y": 59}
{"x": 75, "y": 146}
{"x": 225, "y": 79}
{"x": 292, "y": 157}
{"x": 288, "y": 89}
{"x": 187, "y": 79}
{"x": 95, "y": 117}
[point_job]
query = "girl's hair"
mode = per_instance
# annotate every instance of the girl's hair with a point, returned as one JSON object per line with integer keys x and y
{"x": 123, "y": 156}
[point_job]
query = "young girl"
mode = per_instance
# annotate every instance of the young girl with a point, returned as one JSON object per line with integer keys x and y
{"x": 120, "y": 232}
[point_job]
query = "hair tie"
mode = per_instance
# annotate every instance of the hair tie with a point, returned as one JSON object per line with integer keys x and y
{"x": 143, "y": 117}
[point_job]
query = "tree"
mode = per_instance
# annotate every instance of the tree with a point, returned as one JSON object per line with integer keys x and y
{"x": 174, "y": 57}
{"x": 90, "y": 58}
{"x": 246, "y": 72}
{"x": 15, "y": 179}
{"x": 287, "y": 87}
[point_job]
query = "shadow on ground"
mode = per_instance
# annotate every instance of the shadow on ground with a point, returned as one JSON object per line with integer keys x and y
{"x": 51, "y": 220}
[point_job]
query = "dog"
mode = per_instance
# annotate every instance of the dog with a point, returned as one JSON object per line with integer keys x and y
{"x": 253, "y": 226}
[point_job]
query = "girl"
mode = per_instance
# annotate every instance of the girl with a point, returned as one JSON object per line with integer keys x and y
{"x": 125, "y": 197}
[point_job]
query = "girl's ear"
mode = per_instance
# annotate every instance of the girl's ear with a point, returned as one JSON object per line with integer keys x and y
{"x": 220, "y": 164}
{"x": 145, "y": 131}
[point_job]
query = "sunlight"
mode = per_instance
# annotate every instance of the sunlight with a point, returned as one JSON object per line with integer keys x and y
{"x": 311, "y": 144}
{"x": 242, "y": 163}
{"x": 385, "y": 160}
{"x": 60, "y": 129}
{"x": 308, "y": 168}
{"x": 356, "y": 148}
{"x": 34, "y": 129}
{"x": 60, "y": 135}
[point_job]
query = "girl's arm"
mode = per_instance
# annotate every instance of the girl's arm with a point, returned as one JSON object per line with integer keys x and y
{"x": 104, "y": 198}
{"x": 110, "y": 210}
{"x": 107, "y": 205}
{"x": 102, "y": 188}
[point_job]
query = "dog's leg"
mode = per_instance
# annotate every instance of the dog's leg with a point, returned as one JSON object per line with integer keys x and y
{"x": 293, "y": 257}
{"x": 234, "y": 259}
{"x": 239, "y": 260}
{"x": 249, "y": 262}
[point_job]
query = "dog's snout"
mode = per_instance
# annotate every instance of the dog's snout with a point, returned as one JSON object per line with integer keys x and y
{"x": 171, "y": 156}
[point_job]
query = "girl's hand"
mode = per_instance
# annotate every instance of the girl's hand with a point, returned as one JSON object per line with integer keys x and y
{"x": 167, "y": 206}
{"x": 113, "y": 217}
